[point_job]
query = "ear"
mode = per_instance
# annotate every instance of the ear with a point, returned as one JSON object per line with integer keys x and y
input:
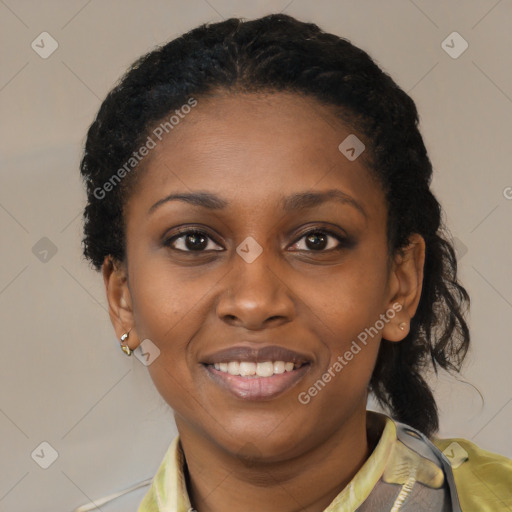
{"x": 405, "y": 285}
{"x": 119, "y": 300}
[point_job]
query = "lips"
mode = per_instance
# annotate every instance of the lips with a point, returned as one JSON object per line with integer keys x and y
{"x": 250, "y": 385}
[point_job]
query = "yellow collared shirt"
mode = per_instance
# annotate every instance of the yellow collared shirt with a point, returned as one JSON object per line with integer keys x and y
{"x": 483, "y": 479}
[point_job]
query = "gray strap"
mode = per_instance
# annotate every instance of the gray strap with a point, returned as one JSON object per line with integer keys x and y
{"x": 421, "y": 444}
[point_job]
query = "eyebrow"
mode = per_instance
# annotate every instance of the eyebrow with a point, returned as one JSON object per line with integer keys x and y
{"x": 298, "y": 201}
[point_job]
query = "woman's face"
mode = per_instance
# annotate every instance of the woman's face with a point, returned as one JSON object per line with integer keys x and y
{"x": 290, "y": 267}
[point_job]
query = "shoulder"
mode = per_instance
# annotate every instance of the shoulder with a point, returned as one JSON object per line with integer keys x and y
{"x": 483, "y": 479}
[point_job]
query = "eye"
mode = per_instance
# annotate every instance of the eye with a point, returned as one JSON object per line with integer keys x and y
{"x": 317, "y": 240}
{"x": 192, "y": 240}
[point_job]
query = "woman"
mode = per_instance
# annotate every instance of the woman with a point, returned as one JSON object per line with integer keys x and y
{"x": 259, "y": 206}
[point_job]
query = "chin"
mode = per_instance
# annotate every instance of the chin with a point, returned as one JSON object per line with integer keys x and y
{"x": 259, "y": 444}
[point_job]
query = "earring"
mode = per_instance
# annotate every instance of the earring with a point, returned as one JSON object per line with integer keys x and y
{"x": 125, "y": 348}
{"x": 402, "y": 326}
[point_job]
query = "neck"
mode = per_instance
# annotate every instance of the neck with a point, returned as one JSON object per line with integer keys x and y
{"x": 218, "y": 480}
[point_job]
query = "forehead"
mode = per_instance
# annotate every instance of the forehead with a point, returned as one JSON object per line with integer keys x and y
{"x": 255, "y": 149}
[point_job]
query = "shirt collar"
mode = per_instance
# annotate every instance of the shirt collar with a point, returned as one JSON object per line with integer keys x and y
{"x": 168, "y": 491}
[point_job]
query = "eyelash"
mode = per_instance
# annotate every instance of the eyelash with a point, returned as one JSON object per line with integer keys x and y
{"x": 342, "y": 240}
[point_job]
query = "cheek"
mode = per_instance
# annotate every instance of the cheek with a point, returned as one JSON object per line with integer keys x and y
{"x": 168, "y": 312}
{"x": 168, "y": 302}
{"x": 350, "y": 301}
{"x": 348, "y": 309}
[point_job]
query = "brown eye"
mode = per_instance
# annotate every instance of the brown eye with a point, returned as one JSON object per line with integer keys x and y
{"x": 190, "y": 241}
{"x": 319, "y": 241}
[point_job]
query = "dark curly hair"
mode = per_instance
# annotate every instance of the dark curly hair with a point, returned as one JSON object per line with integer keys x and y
{"x": 280, "y": 53}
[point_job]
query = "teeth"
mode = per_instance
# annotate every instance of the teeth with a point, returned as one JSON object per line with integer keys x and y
{"x": 279, "y": 367}
{"x": 247, "y": 368}
{"x": 265, "y": 369}
{"x": 234, "y": 368}
{"x": 250, "y": 369}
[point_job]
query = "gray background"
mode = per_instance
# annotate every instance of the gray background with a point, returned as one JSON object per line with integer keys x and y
{"x": 63, "y": 379}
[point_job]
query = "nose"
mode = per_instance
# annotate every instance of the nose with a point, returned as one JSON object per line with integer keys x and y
{"x": 256, "y": 296}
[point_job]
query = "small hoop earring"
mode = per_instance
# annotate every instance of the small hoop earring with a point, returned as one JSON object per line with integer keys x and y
{"x": 125, "y": 348}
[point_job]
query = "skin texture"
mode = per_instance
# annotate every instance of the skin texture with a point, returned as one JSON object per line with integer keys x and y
{"x": 251, "y": 150}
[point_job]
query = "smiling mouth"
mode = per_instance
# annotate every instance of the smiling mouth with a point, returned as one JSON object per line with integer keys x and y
{"x": 256, "y": 381}
{"x": 255, "y": 372}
